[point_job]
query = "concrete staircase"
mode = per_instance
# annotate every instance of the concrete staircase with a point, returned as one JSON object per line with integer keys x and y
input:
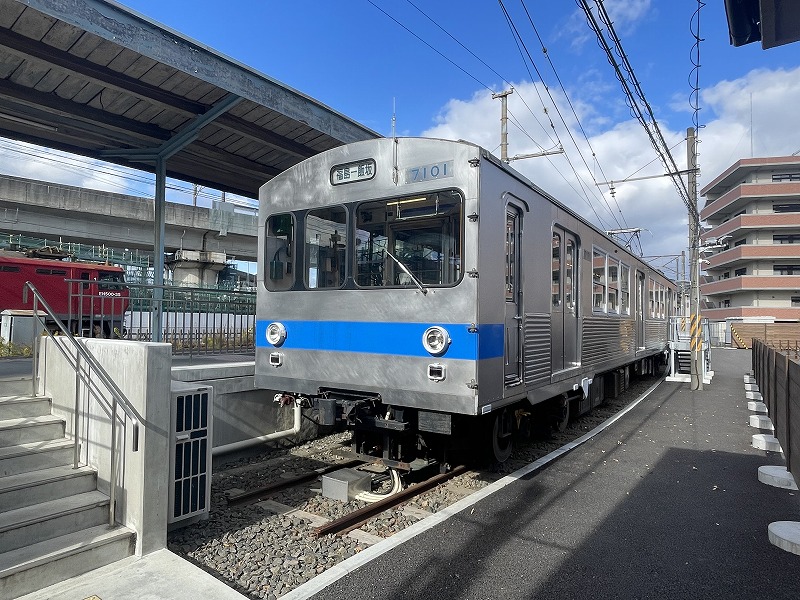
{"x": 53, "y": 521}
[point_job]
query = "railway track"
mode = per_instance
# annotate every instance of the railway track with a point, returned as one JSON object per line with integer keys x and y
{"x": 270, "y": 529}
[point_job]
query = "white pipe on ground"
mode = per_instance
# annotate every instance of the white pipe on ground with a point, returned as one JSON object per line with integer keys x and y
{"x": 270, "y": 437}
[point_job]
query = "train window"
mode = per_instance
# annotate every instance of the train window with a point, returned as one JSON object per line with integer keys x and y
{"x": 326, "y": 246}
{"x": 85, "y": 278}
{"x": 652, "y": 293}
{"x": 569, "y": 275}
{"x": 108, "y": 280}
{"x": 279, "y": 252}
{"x": 624, "y": 290}
{"x": 599, "y": 281}
{"x": 511, "y": 254}
{"x": 556, "y": 278}
{"x": 409, "y": 242}
{"x": 51, "y": 272}
{"x": 613, "y": 285}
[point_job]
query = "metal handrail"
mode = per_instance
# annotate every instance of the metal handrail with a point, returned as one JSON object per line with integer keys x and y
{"x": 118, "y": 397}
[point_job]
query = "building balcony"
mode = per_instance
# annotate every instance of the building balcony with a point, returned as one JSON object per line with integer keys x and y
{"x": 753, "y": 222}
{"x": 734, "y": 174}
{"x": 739, "y": 197}
{"x": 741, "y": 255}
{"x": 750, "y": 283}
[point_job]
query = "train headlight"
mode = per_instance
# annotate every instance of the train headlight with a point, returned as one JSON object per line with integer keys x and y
{"x": 435, "y": 340}
{"x": 276, "y": 334}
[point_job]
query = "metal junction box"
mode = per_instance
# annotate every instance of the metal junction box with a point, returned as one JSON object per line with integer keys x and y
{"x": 345, "y": 484}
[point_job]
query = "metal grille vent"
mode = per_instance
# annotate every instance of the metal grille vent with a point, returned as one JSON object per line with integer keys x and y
{"x": 190, "y": 492}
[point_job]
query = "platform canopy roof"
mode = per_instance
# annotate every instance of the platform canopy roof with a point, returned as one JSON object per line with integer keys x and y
{"x": 95, "y": 78}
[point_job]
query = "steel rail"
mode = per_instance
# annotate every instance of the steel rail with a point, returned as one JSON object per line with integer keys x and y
{"x": 360, "y": 516}
{"x": 257, "y": 494}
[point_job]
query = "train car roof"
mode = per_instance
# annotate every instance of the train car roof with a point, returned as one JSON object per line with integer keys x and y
{"x": 486, "y": 154}
{"x": 11, "y": 255}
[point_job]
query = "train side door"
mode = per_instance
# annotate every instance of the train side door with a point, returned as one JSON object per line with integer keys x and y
{"x": 640, "y": 308}
{"x": 513, "y": 305}
{"x": 564, "y": 301}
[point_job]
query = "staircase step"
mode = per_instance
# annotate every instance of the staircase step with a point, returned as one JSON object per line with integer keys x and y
{"x": 15, "y": 407}
{"x": 35, "y": 456}
{"x": 30, "y": 429}
{"x": 39, "y": 522}
{"x": 34, "y": 567}
{"x": 34, "y": 487}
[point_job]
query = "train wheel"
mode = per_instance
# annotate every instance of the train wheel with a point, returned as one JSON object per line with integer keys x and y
{"x": 502, "y": 434}
{"x": 561, "y": 413}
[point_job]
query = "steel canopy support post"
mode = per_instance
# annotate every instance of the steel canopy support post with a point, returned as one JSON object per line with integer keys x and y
{"x": 158, "y": 248}
{"x": 160, "y": 155}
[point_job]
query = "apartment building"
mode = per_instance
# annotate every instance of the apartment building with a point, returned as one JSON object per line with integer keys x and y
{"x": 752, "y": 215}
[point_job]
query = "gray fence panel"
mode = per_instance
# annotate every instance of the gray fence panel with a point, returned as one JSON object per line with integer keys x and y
{"x": 791, "y": 445}
{"x": 780, "y": 392}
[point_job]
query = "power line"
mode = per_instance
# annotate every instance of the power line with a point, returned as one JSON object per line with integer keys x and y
{"x": 68, "y": 162}
{"x": 569, "y": 102}
{"x": 484, "y": 63}
{"x": 473, "y": 77}
{"x": 640, "y": 107}
{"x": 518, "y": 36}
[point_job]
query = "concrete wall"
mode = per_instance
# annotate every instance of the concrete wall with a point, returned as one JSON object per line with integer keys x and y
{"x": 142, "y": 372}
{"x": 241, "y": 412}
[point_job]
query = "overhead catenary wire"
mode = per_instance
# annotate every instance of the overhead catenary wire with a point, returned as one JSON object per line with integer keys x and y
{"x": 520, "y": 45}
{"x": 523, "y": 47}
{"x": 102, "y": 172}
{"x": 475, "y": 78}
{"x": 640, "y": 108}
{"x": 569, "y": 102}
{"x": 502, "y": 78}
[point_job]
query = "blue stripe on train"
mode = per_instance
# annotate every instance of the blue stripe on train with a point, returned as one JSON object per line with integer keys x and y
{"x": 400, "y": 339}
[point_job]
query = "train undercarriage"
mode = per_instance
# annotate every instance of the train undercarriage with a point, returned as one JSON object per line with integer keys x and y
{"x": 408, "y": 439}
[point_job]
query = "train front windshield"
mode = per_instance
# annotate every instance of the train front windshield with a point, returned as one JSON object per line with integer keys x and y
{"x": 401, "y": 242}
{"x": 107, "y": 280}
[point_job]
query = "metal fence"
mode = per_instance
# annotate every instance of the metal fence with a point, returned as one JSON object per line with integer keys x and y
{"x": 778, "y": 380}
{"x": 194, "y": 321}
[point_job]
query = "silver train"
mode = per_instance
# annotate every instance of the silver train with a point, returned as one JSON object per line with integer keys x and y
{"x": 430, "y": 297}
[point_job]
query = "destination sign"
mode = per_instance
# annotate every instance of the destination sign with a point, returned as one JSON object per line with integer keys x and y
{"x": 355, "y": 171}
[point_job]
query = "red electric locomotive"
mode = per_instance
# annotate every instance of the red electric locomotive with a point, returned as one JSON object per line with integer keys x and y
{"x": 93, "y": 304}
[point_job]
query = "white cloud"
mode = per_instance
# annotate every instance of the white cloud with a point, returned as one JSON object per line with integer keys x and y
{"x": 775, "y": 95}
{"x": 625, "y": 15}
{"x": 20, "y": 159}
{"x": 623, "y": 149}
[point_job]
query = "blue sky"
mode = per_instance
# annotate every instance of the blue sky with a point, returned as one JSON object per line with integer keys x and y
{"x": 362, "y": 57}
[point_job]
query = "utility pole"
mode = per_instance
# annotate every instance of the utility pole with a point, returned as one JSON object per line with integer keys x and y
{"x": 683, "y": 283}
{"x": 503, "y": 122}
{"x": 694, "y": 263}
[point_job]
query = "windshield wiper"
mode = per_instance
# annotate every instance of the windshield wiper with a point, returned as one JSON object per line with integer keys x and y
{"x": 416, "y": 281}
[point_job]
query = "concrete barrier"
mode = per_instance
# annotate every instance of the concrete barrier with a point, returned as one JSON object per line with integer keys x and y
{"x": 142, "y": 372}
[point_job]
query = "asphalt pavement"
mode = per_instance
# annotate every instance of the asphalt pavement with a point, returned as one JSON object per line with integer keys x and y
{"x": 664, "y": 504}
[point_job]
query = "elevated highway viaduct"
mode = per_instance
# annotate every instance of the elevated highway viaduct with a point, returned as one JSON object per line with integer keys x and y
{"x": 72, "y": 214}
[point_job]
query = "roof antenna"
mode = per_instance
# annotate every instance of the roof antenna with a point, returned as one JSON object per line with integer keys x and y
{"x": 395, "y": 170}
